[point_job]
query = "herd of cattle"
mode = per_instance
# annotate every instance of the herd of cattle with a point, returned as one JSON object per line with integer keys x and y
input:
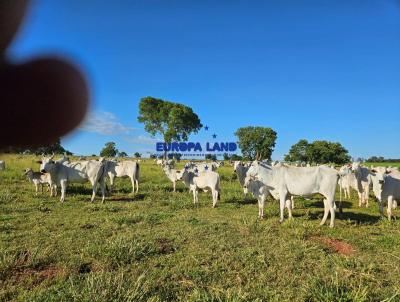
{"x": 279, "y": 180}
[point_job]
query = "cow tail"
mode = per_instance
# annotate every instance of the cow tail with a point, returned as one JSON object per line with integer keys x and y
{"x": 137, "y": 171}
{"x": 219, "y": 190}
{"x": 103, "y": 171}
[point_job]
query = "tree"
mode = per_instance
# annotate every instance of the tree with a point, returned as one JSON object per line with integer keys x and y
{"x": 137, "y": 155}
{"x": 226, "y": 156}
{"x": 322, "y": 152}
{"x": 256, "y": 143}
{"x": 109, "y": 150}
{"x": 236, "y": 157}
{"x": 210, "y": 156}
{"x": 173, "y": 121}
{"x": 177, "y": 156}
{"x": 319, "y": 152}
{"x": 122, "y": 154}
{"x": 153, "y": 156}
{"x": 298, "y": 152}
{"x": 46, "y": 149}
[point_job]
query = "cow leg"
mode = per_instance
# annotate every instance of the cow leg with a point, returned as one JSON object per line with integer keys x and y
{"x": 137, "y": 185}
{"x": 366, "y": 192}
{"x": 103, "y": 190}
{"x": 63, "y": 189}
{"x": 215, "y": 197}
{"x": 292, "y": 202}
{"x": 174, "y": 185}
{"x": 326, "y": 212}
{"x": 194, "y": 195}
{"x": 389, "y": 207}
{"x": 261, "y": 207}
{"x": 331, "y": 203}
{"x": 111, "y": 176}
{"x": 36, "y": 189}
{"x": 282, "y": 200}
{"x": 133, "y": 185}
{"x": 381, "y": 208}
{"x": 360, "y": 199}
{"x": 94, "y": 189}
{"x": 289, "y": 207}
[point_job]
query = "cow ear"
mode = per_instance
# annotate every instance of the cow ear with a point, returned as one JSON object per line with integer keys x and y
{"x": 39, "y": 162}
{"x": 373, "y": 170}
{"x": 388, "y": 171}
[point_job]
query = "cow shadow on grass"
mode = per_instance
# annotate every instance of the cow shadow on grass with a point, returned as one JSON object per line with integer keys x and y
{"x": 177, "y": 190}
{"x": 129, "y": 198}
{"x": 78, "y": 190}
{"x": 320, "y": 204}
{"x": 347, "y": 216}
{"x": 241, "y": 200}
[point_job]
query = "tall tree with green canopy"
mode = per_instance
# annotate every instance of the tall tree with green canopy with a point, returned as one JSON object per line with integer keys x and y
{"x": 323, "y": 152}
{"x": 256, "y": 143}
{"x": 298, "y": 152}
{"x": 319, "y": 152}
{"x": 173, "y": 121}
{"x": 109, "y": 150}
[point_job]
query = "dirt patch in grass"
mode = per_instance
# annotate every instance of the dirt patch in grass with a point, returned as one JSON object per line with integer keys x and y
{"x": 37, "y": 275}
{"x": 165, "y": 246}
{"x": 335, "y": 245}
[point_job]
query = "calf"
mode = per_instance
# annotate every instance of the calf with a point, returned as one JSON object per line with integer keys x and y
{"x": 202, "y": 180}
{"x": 363, "y": 178}
{"x": 241, "y": 171}
{"x": 39, "y": 179}
{"x": 260, "y": 191}
{"x": 172, "y": 174}
{"x": 347, "y": 181}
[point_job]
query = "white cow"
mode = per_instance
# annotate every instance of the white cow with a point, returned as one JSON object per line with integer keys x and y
{"x": 386, "y": 187}
{"x": 125, "y": 168}
{"x": 298, "y": 181}
{"x": 202, "y": 180}
{"x": 173, "y": 175}
{"x": 201, "y": 167}
{"x": 241, "y": 171}
{"x": 75, "y": 172}
{"x": 347, "y": 181}
{"x": 260, "y": 191}
{"x": 2, "y": 165}
{"x": 39, "y": 179}
{"x": 363, "y": 183}
{"x": 63, "y": 159}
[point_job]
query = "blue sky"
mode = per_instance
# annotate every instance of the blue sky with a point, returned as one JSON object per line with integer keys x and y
{"x": 308, "y": 69}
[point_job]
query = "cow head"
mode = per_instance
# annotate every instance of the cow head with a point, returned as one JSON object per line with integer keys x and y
{"x": 27, "y": 171}
{"x": 47, "y": 164}
{"x": 253, "y": 169}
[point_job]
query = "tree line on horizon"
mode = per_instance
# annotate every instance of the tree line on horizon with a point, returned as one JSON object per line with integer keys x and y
{"x": 175, "y": 122}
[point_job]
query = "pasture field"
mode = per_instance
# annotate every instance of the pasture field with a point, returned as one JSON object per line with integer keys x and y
{"x": 158, "y": 246}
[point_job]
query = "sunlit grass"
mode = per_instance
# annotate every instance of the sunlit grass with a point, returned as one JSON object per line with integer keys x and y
{"x": 158, "y": 246}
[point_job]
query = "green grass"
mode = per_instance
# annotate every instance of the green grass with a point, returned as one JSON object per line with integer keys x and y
{"x": 383, "y": 164}
{"x": 158, "y": 246}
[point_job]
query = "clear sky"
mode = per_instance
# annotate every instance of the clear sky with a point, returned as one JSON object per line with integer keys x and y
{"x": 308, "y": 69}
